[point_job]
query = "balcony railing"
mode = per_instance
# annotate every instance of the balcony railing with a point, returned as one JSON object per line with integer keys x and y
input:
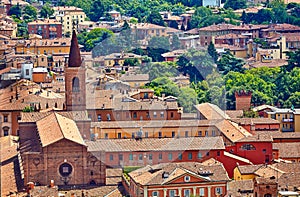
{"x": 287, "y": 120}
{"x": 287, "y": 129}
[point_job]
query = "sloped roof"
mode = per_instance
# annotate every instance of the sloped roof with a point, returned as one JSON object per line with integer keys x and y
{"x": 211, "y": 111}
{"x": 152, "y": 175}
{"x": 55, "y": 127}
{"x": 153, "y": 144}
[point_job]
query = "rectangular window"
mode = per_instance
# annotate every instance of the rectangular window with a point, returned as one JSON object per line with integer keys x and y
{"x": 173, "y": 134}
{"x": 134, "y": 115}
{"x": 206, "y": 133}
{"x": 27, "y": 71}
{"x": 130, "y": 157}
{"x": 186, "y": 134}
{"x": 160, "y": 156}
{"x": 147, "y": 115}
{"x": 162, "y": 114}
{"x": 170, "y": 156}
{"x": 199, "y": 133}
{"x": 120, "y": 157}
{"x": 199, "y": 155}
{"x": 201, "y": 192}
{"x": 172, "y": 114}
{"x": 154, "y": 114}
{"x": 179, "y": 156}
{"x": 190, "y": 156}
{"x": 150, "y": 156}
{"x": 172, "y": 193}
{"x": 106, "y": 135}
{"x": 111, "y": 157}
{"x": 132, "y": 135}
{"x": 187, "y": 193}
{"x": 213, "y": 133}
{"x": 140, "y": 157}
{"x": 119, "y": 135}
{"x": 207, "y": 154}
{"x": 218, "y": 153}
{"x": 99, "y": 118}
{"x": 219, "y": 190}
{"x": 146, "y": 134}
{"x": 160, "y": 134}
{"x": 5, "y": 118}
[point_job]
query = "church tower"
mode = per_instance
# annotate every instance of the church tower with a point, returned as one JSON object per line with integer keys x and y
{"x": 75, "y": 89}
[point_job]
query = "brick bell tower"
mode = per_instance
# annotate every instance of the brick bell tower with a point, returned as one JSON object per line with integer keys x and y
{"x": 75, "y": 89}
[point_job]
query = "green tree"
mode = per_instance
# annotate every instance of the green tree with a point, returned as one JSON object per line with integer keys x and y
{"x": 131, "y": 62}
{"x": 212, "y": 51}
{"x": 196, "y": 63}
{"x": 175, "y": 44}
{"x": 31, "y": 11}
{"x": 158, "y": 46}
{"x": 160, "y": 69}
{"x": 235, "y": 4}
{"x": 46, "y": 11}
{"x": 155, "y": 18}
{"x": 174, "y": 24}
{"x": 229, "y": 62}
{"x": 293, "y": 60}
{"x": 92, "y": 38}
{"x": 16, "y": 11}
{"x": 187, "y": 98}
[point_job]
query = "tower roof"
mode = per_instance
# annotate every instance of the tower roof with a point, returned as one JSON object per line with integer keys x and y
{"x": 74, "y": 56}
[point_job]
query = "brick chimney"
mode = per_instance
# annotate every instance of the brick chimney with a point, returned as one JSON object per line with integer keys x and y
{"x": 243, "y": 100}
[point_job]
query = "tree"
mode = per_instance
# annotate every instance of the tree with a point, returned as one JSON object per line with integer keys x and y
{"x": 46, "y": 11}
{"x": 175, "y": 44}
{"x": 196, "y": 63}
{"x": 158, "y": 46}
{"x": 235, "y": 4}
{"x": 200, "y": 14}
{"x": 155, "y": 18}
{"x": 160, "y": 69}
{"x": 174, "y": 24}
{"x": 229, "y": 62}
{"x": 97, "y": 10}
{"x": 31, "y": 11}
{"x": 131, "y": 62}
{"x": 187, "y": 98}
{"x": 294, "y": 59}
{"x": 212, "y": 51}
{"x": 16, "y": 11}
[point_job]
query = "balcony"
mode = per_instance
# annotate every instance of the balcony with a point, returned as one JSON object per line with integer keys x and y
{"x": 287, "y": 120}
{"x": 287, "y": 129}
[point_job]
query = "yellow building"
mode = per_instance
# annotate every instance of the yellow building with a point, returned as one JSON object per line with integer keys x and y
{"x": 289, "y": 119}
{"x": 44, "y": 46}
{"x": 70, "y": 17}
{"x": 246, "y": 172}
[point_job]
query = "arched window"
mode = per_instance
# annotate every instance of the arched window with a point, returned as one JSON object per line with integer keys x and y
{"x": 248, "y": 147}
{"x": 5, "y": 131}
{"x": 75, "y": 85}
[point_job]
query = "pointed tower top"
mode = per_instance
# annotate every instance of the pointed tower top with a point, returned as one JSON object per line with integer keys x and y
{"x": 74, "y": 56}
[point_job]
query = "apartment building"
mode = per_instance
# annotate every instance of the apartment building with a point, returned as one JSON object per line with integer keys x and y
{"x": 47, "y": 28}
{"x": 70, "y": 17}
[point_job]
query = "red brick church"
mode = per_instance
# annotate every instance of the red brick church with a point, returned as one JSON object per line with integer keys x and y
{"x": 52, "y": 144}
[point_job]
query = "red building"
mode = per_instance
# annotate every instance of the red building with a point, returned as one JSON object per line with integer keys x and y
{"x": 257, "y": 148}
{"x": 254, "y": 125}
{"x": 178, "y": 179}
{"x": 47, "y": 28}
{"x": 151, "y": 151}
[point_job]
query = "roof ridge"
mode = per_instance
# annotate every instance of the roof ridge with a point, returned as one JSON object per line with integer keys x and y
{"x": 55, "y": 114}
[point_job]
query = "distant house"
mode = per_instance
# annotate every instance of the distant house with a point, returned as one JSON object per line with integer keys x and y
{"x": 179, "y": 179}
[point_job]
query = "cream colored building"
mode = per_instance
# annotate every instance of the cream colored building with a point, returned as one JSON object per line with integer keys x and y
{"x": 70, "y": 17}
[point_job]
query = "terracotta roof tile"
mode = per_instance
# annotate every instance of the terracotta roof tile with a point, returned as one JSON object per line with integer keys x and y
{"x": 288, "y": 150}
{"x": 55, "y": 127}
{"x": 152, "y": 144}
{"x": 250, "y": 121}
{"x": 211, "y": 111}
{"x": 260, "y": 137}
{"x": 152, "y": 175}
{"x": 242, "y": 188}
{"x": 248, "y": 169}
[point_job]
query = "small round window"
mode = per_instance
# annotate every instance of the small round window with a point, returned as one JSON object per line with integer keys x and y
{"x": 65, "y": 169}
{"x": 187, "y": 178}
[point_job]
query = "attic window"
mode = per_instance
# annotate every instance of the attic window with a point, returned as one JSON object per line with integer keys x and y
{"x": 187, "y": 179}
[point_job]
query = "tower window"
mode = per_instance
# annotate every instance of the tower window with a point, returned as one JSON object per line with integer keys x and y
{"x": 75, "y": 84}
